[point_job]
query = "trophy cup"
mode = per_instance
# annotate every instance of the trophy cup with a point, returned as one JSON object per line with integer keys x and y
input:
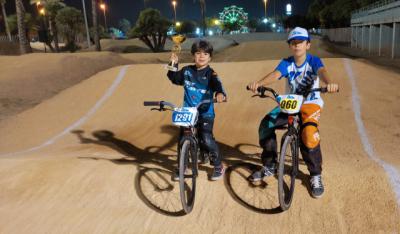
{"x": 176, "y": 48}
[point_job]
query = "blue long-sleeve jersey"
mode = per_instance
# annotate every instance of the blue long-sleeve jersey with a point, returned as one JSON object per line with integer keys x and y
{"x": 198, "y": 85}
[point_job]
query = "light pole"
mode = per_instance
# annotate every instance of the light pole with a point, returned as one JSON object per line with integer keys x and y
{"x": 42, "y": 12}
{"x": 103, "y": 8}
{"x": 265, "y": 8}
{"x": 174, "y": 5}
{"x": 86, "y": 24}
{"x": 265, "y": 20}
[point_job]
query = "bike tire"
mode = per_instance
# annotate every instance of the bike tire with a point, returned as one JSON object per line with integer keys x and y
{"x": 287, "y": 170}
{"x": 187, "y": 174}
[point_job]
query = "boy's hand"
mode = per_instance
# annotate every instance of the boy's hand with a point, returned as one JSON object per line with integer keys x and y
{"x": 174, "y": 58}
{"x": 220, "y": 97}
{"x": 332, "y": 88}
{"x": 253, "y": 86}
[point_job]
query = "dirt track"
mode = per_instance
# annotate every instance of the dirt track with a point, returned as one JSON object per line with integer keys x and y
{"x": 101, "y": 176}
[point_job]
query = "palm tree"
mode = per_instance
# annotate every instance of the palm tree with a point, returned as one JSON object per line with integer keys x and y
{"x": 24, "y": 45}
{"x": 51, "y": 8}
{"x": 3, "y": 2}
{"x": 95, "y": 26}
{"x": 203, "y": 15}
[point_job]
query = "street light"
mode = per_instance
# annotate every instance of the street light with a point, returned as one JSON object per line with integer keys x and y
{"x": 265, "y": 8}
{"x": 289, "y": 9}
{"x": 174, "y": 5}
{"x": 86, "y": 23}
{"x": 103, "y": 8}
{"x": 40, "y": 8}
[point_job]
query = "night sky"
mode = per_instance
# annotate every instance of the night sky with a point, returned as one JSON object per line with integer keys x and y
{"x": 186, "y": 9}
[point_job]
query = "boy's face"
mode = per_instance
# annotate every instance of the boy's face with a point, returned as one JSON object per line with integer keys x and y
{"x": 201, "y": 58}
{"x": 299, "y": 47}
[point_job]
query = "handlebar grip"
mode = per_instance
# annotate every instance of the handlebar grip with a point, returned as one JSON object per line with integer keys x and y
{"x": 323, "y": 90}
{"x": 151, "y": 103}
{"x": 259, "y": 89}
{"x": 215, "y": 100}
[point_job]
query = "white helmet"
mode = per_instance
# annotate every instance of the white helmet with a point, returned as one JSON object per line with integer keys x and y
{"x": 298, "y": 34}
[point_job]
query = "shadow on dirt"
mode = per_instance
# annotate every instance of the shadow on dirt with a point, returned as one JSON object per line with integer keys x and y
{"x": 153, "y": 183}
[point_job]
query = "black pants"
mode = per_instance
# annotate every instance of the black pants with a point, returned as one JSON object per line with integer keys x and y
{"x": 312, "y": 157}
{"x": 207, "y": 140}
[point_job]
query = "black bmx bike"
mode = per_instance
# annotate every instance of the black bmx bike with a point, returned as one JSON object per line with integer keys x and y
{"x": 189, "y": 153}
{"x": 288, "y": 158}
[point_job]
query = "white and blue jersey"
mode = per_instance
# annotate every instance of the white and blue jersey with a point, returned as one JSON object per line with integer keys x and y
{"x": 302, "y": 78}
{"x": 198, "y": 85}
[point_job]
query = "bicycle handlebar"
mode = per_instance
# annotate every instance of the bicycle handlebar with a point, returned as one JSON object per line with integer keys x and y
{"x": 161, "y": 104}
{"x": 261, "y": 90}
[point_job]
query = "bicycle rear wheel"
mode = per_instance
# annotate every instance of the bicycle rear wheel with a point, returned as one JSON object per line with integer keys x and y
{"x": 187, "y": 174}
{"x": 287, "y": 170}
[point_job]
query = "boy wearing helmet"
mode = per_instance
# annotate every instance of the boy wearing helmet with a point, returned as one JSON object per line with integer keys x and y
{"x": 200, "y": 83}
{"x": 302, "y": 72}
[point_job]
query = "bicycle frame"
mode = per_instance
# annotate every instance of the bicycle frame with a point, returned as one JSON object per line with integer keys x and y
{"x": 289, "y": 141}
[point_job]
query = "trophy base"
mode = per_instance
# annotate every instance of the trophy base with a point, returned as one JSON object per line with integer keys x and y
{"x": 171, "y": 68}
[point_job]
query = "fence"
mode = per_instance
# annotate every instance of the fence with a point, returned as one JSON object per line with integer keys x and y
{"x": 337, "y": 34}
{"x": 376, "y": 29}
{"x": 14, "y": 38}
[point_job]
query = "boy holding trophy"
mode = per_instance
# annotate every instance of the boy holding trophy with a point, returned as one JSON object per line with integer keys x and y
{"x": 201, "y": 82}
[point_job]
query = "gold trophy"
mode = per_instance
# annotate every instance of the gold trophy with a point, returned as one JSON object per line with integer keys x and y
{"x": 176, "y": 48}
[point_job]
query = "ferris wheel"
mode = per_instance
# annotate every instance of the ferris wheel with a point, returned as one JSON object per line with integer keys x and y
{"x": 234, "y": 14}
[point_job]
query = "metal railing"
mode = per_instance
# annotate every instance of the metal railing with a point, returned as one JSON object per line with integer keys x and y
{"x": 14, "y": 38}
{"x": 364, "y": 10}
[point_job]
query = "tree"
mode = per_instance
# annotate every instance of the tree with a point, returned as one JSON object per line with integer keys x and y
{"x": 334, "y": 13}
{"x": 3, "y": 8}
{"x": 232, "y": 26}
{"x": 70, "y": 22}
{"x": 313, "y": 12}
{"x": 30, "y": 23}
{"x": 252, "y": 24}
{"x": 151, "y": 28}
{"x": 96, "y": 36}
{"x": 101, "y": 31}
{"x": 187, "y": 27}
{"x": 51, "y": 8}
{"x": 124, "y": 25}
{"x": 296, "y": 21}
{"x": 24, "y": 45}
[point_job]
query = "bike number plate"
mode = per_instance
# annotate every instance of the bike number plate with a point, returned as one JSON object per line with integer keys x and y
{"x": 291, "y": 103}
{"x": 185, "y": 117}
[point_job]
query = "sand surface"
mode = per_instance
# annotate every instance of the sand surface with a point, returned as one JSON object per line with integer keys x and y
{"x": 58, "y": 175}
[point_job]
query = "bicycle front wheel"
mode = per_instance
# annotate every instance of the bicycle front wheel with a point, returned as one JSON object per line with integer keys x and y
{"x": 187, "y": 174}
{"x": 287, "y": 170}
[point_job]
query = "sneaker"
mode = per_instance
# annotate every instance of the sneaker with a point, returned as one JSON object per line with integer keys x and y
{"x": 175, "y": 175}
{"x": 317, "y": 188}
{"x": 263, "y": 172}
{"x": 218, "y": 173}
